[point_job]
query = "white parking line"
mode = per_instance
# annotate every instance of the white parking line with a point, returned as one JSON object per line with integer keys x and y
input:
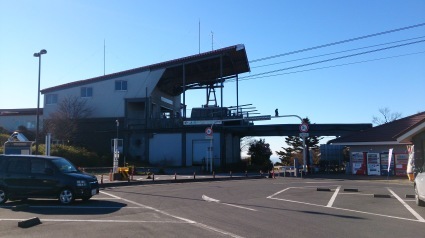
{"x": 414, "y": 213}
{"x": 206, "y": 227}
{"x": 337, "y": 208}
{"x": 208, "y": 199}
{"x": 331, "y": 202}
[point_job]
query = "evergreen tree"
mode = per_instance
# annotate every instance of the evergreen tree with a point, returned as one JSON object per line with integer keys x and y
{"x": 295, "y": 148}
{"x": 260, "y": 153}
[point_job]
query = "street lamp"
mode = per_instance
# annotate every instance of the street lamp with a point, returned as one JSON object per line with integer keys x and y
{"x": 42, "y": 52}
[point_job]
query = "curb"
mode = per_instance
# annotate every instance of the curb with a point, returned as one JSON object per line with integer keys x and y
{"x": 169, "y": 181}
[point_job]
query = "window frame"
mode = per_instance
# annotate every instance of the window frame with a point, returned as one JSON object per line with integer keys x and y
{"x": 51, "y": 99}
{"x": 119, "y": 85}
{"x": 86, "y": 92}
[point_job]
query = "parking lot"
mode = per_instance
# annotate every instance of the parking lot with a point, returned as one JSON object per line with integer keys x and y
{"x": 284, "y": 207}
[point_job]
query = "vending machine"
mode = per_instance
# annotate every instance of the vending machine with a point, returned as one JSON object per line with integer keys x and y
{"x": 384, "y": 165}
{"x": 373, "y": 164}
{"x": 401, "y": 164}
{"x": 358, "y": 163}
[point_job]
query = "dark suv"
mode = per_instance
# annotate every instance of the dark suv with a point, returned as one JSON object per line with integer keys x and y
{"x": 30, "y": 176}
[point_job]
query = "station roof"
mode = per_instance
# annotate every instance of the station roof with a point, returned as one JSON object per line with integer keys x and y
{"x": 388, "y": 133}
{"x": 200, "y": 69}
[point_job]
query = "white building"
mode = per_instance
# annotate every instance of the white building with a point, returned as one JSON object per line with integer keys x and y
{"x": 149, "y": 104}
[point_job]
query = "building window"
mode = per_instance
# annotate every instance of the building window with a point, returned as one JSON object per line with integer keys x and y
{"x": 51, "y": 99}
{"x": 121, "y": 85}
{"x": 86, "y": 92}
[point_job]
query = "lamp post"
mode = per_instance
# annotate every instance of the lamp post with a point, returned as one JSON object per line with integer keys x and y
{"x": 42, "y": 52}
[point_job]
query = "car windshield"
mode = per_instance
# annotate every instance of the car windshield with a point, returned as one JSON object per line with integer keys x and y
{"x": 64, "y": 165}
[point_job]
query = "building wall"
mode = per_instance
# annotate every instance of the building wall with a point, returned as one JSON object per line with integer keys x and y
{"x": 197, "y": 154}
{"x": 106, "y": 101}
{"x": 165, "y": 149}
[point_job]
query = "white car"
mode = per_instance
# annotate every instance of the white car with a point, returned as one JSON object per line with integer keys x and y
{"x": 419, "y": 184}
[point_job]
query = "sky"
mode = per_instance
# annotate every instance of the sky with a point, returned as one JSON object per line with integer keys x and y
{"x": 347, "y": 80}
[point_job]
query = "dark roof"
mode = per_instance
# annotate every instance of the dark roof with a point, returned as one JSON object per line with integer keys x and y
{"x": 200, "y": 69}
{"x": 20, "y": 112}
{"x": 388, "y": 132}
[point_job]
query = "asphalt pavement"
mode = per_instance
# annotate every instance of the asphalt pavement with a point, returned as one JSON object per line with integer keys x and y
{"x": 107, "y": 180}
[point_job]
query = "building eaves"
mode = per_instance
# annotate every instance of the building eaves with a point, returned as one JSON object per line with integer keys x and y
{"x": 386, "y": 133}
{"x": 170, "y": 63}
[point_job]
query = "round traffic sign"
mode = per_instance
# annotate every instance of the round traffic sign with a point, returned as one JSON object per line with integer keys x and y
{"x": 304, "y": 127}
{"x": 208, "y": 131}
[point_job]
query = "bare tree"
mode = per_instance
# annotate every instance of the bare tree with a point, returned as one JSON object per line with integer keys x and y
{"x": 386, "y": 116}
{"x": 246, "y": 142}
{"x": 64, "y": 122}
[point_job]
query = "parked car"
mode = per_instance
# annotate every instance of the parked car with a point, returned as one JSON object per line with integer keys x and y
{"x": 419, "y": 184}
{"x": 31, "y": 176}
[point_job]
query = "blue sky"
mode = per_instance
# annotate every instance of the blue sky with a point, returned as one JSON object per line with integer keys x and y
{"x": 139, "y": 33}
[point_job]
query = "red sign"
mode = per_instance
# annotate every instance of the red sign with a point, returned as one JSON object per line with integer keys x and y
{"x": 208, "y": 131}
{"x": 304, "y": 127}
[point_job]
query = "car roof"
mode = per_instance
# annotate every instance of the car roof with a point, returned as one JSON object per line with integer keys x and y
{"x": 32, "y": 156}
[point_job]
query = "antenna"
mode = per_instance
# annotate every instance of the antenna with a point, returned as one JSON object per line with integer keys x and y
{"x": 212, "y": 40}
{"x": 104, "y": 56}
{"x": 199, "y": 36}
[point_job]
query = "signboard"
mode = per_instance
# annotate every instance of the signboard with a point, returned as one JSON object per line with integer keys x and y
{"x": 18, "y": 147}
{"x": 373, "y": 164}
{"x": 202, "y": 122}
{"x": 304, "y": 127}
{"x": 303, "y": 134}
{"x": 258, "y": 118}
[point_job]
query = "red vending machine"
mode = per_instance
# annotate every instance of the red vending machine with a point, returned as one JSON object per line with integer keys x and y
{"x": 358, "y": 163}
{"x": 401, "y": 164}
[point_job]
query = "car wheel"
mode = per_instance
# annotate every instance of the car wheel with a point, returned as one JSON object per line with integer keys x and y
{"x": 3, "y": 196}
{"x": 419, "y": 202}
{"x": 66, "y": 196}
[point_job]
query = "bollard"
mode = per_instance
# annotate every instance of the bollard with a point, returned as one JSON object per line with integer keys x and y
{"x": 110, "y": 176}
{"x": 273, "y": 173}
{"x": 213, "y": 175}
{"x": 101, "y": 179}
{"x": 132, "y": 173}
{"x": 175, "y": 176}
{"x": 230, "y": 174}
{"x": 194, "y": 175}
{"x": 153, "y": 177}
{"x": 246, "y": 173}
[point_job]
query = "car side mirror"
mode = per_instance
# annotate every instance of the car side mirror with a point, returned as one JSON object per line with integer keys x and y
{"x": 48, "y": 171}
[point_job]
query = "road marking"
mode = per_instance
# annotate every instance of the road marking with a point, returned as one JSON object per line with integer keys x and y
{"x": 414, "y": 213}
{"x": 208, "y": 199}
{"x": 337, "y": 208}
{"x": 331, "y": 202}
{"x": 349, "y": 210}
{"x": 192, "y": 222}
{"x": 319, "y": 182}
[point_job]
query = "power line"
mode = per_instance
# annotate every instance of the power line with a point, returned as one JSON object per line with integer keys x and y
{"x": 332, "y": 59}
{"x": 338, "y": 42}
{"x": 338, "y": 52}
{"x": 327, "y": 67}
